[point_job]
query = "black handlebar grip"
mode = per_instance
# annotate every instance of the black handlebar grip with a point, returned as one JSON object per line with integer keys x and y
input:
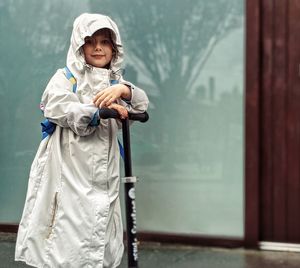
{"x": 106, "y": 113}
{"x": 142, "y": 117}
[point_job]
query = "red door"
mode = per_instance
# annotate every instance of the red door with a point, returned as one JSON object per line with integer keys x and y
{"x": 273, "y": 122}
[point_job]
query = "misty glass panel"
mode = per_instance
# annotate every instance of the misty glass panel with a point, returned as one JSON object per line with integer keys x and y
{"x": 188, "y": 57}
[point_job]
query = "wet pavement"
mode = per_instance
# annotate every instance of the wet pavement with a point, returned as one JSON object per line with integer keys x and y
{"x": 155, "y": 255}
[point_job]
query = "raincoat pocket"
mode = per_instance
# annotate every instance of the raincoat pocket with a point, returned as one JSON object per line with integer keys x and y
{"x": 52, "y": 216}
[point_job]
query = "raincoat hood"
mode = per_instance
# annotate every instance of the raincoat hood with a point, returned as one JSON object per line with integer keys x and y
{"x": 86, "y": 25}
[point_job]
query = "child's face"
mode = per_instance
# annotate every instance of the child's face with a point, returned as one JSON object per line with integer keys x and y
{"x": 97, "y": 49}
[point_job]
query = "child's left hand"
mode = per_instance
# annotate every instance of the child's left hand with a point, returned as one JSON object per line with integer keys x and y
{"x": 120, "y": 109}
{"x": 109, "y": 95}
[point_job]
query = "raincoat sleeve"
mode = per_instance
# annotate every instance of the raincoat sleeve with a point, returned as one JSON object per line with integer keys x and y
{"x": 139, "y": 100}
{"x": 62, "y": 107}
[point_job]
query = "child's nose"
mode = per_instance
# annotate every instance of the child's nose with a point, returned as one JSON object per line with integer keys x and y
{"x": 98, "y": 46}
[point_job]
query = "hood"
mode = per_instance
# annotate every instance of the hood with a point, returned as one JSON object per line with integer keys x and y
{"x": 86, "y": 25}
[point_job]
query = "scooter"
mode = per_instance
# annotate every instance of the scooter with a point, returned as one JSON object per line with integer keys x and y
{"x": 129, "y": 180}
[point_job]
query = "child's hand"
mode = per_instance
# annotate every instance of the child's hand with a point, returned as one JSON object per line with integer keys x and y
{"x": 120, "y": 109}
{"x": 109, "y": 95}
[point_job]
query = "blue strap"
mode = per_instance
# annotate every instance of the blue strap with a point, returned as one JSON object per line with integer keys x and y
{"x": 95, "y": 120}
{"x": 47, "y": 128}
{"x": 114, "y": 82}
{"x": 71, "y": 78}
{"x": 121, "y": 149}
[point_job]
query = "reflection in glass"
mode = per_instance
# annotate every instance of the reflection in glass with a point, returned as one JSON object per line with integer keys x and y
{"x": 188, "y": 56}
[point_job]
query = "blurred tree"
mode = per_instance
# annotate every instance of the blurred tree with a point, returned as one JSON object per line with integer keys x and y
{"x": 34, "y": 39}
{"x": 169, "y": 42}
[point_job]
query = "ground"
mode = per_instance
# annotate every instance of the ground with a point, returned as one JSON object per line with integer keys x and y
{"x": 179, "y": 256}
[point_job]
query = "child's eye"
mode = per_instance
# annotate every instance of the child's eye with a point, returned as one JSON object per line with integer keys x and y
{"x": 88, "y": 41}
{"x": 105, "y": 42}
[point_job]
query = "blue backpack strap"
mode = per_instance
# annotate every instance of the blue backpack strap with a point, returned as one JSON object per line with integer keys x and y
{"x": 48, "y": 127}
{"x": 114, "y": 82}
{"x": 121, "y": 149}
{"x": 71, "y": 78}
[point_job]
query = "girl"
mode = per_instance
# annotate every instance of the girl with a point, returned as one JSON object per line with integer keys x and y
{"x": 72, "y": 212}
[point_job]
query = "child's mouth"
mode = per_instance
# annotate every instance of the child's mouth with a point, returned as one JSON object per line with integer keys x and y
{"x": 97, "y": 56}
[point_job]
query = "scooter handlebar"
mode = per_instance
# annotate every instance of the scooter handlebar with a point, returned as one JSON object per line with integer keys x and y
{"x": 106, "y": 113}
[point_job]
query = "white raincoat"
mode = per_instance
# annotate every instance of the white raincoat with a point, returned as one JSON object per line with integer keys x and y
{"x": 72, "y": 212}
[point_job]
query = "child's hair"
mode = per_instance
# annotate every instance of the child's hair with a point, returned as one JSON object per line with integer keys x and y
{"x": 112, "y": 39}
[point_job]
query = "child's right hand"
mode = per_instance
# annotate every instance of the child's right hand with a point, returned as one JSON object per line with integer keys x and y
{"x": 120, "y": 109}
{"x": 109, "y": 95}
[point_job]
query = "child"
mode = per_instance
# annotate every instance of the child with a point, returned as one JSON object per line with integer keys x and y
{"x": 72, "y": 212}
